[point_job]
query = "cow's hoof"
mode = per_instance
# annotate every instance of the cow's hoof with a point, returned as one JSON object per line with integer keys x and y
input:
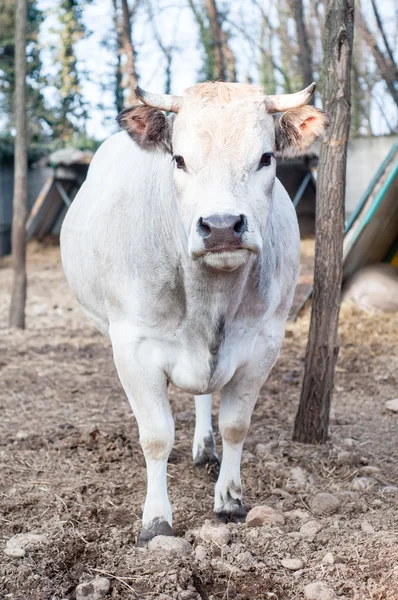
{"x": 235, "y": 513}
{"x": 157, "y": 527}
{"x": 206, "y": 456}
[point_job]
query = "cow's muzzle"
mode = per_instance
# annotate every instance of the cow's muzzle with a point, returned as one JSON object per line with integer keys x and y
{"x": 222, "y": 233}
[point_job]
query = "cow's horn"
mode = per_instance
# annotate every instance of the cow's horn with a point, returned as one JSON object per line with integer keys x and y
{"x": 284, "y": 102}
{"x": 161, "y": 101}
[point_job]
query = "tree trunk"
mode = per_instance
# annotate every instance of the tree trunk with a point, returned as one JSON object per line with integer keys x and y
{"x": 312, "y": 420}
{"x": 305, "y": 54}
{"x": 217, "y": 39}
{"x": 128, "y": 47}
{"x": 118, "y": 50}
{"x": 18, "y": 297}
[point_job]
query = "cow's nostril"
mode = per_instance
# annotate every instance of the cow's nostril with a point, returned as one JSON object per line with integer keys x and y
{"x": 203, "y": 228}
{"x": 241, "y": 225}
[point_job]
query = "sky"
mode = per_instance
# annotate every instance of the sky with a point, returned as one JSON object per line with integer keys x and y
{"x": 174, "y": 22}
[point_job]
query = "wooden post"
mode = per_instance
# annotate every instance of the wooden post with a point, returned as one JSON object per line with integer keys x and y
{"x": 312, "y": 420}
{"x": 18, "y": 238}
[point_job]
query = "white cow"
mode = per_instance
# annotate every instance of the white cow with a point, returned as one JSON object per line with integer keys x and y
{"x": 183, "y": 247}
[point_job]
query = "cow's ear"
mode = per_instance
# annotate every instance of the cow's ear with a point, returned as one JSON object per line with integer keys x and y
{"x": 148, "y": 127}
{"x": 297, "y": 129}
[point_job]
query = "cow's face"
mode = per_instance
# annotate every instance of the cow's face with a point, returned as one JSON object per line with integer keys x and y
{"x": 224, "y": 161}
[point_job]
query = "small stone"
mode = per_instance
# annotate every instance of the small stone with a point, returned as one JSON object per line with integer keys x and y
{"x": 22, "y": 435}
{"x": 264, "y": 450}
{"x": 15, "y": 552}
{"x": 93, "y": 590}
{"x": 389, "y": 489}
{"x": 264, "y": 515}
{"x": 244, "y": 558}
{"x": 248, "y": 457}
{"x": 200, "y": 552}
{"x": 328, "y": 559}
{"x": 172, "y": 545}
{"x": 299, "y": 476}
{"x": 17, "y": 545}
{"x": 310, "y": 529}
{"x": 369, "y": 470}
{"x": 218, "y": 534}
{"x": 318, "y": 590}
{"x": 298, "y": 513}
{"x": 185, "y": 416}
{"x": 324, "y": 503}
{"x": 367, "y": 528}
{"x": 362, "y": 483}
{"x": 344, "y": 457}
{"x": 349, "y": 442}
{"x": 282, "y": 493}
{"x": 293, "y": 564}
{"x": 392, "y": 405}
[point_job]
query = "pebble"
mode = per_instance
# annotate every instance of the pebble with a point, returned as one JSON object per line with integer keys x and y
{"x": 369, "y": 470}
{"x": 172, "y": 545}
{"x": 324, "y": 503}
{"x": 392, "y": 405}
{"x": 367, "y": 528}
{"x": 17, "y": 545}
{"x": 328, "y": 559}
{"x": 310, "y": 529}
{"x": 362, "y": 483}
{"x": 344, "y": 457}
{"x": 93, "y": 590}
{"x": 218, "y": 534}
{"x": 200, "y": 552}
{"x": 349, "y": 442}
{"x": 318, "y": 590}
{"x": 389, "y": 489}
{"x": 299, "y": 476}
{"x": 293, "y": 564}
{"x": 264, "y": 515}
{"x": 298, "y": 513}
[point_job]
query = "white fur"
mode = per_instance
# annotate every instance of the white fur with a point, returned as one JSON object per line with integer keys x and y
{"x": 132, "y": 254}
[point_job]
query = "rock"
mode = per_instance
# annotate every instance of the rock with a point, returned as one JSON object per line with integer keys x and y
{"x": 185, "y": 416}
{"x": 344, "y": 457}
{"x": 17, "y": 545}
{"x": 218, "y": 534}
{"x": 318, "y": 590}
{"x": 264, "y": 515}
{"x": 369, "y": 470}
{"x": 15, "y": 552}
{"x": 392, "y": 405}
{"x": 324, "y": 503}
{"x": 293, "y": 564}
{"x": 328, "y": 559}
{"x": 282, "y": 493}
{"x": 247, "y": 457}
{"x": 172, "y": 545}
{"x": 21, "y": 435}
{"x": 389, "y": 489}
{"x": 349, "y": 442}
{"x": 367, "y": 528}
{"x": 297, "y": 514}
{"x": 299, "y": 476}
{"x": 200, "y": 552}
{"x": 310, "y": 529}
{"x": 362, "y": 483}
{"x": 93, "y": 590}
{"x": 264, "y": 450}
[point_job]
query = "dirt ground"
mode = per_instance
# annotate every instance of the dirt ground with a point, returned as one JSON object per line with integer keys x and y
{"x": 72, "y": 470}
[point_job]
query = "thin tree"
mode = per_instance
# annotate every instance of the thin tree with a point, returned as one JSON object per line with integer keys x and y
{"x": 385, "y": 62}
{"x": 216, "y": 39}
{"x": 304, "y": 54}
{"x": 312, "y": 420}
{"x": 128, "y": 15}
{"x": 18, "y": 297}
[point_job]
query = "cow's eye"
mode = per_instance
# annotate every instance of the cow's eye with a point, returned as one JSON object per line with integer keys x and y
{"x": 265, "y": 160}
{"x": 180, "y": 162}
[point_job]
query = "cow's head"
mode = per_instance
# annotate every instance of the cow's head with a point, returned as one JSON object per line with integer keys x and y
{"x": 224, "y": 140}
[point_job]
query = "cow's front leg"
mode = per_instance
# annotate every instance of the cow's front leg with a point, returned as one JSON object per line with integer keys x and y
{"x": 146, "y": 388}
{"x": 204, "y": 447}
{"x": 237, "y": 402}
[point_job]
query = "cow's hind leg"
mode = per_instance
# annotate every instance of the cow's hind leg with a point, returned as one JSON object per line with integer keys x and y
{"x": 204, "y": 447}
{"x": 146, "y": 388}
